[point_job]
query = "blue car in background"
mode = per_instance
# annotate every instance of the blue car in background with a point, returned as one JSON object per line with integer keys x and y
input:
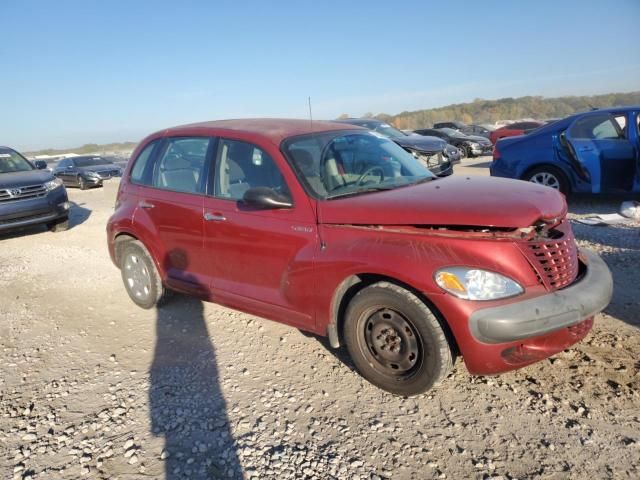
{"x": 590, "y": 152}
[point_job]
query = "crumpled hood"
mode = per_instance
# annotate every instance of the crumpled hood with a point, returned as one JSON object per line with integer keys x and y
{"x": 23, "y": 179}
{"x": 456, "y": 200}
{"x": 422, "y": 143}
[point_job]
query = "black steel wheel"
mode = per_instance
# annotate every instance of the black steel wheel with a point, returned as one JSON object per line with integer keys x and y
{"x": 395, "y": 340}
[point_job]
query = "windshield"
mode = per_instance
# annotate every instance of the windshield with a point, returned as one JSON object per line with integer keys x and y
{"x": 91, "y": 162}
{"x": 337, "y": 164}
{"x": 389, "y": 131}
{"x": 452, "y": 133}
{"x": 12, "y": 161}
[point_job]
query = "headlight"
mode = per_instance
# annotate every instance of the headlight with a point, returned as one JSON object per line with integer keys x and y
{"x": 474, "y": 284}
{"x": 92, "y": 174}
{"x": 474, "y": 145}
{"x": 53, "y": 184}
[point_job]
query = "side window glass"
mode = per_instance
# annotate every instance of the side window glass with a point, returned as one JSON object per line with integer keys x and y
{"x": 140, "y": 171}
{"x": 241, "y": 166}
{"x": 181, "y": 167}
{"x": 594, "y": 127}
{"x": 621, "y": 120}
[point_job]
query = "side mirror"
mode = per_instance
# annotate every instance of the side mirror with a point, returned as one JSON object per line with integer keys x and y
{"x": 40, "y": 164}
{"x": 267, "y": 198}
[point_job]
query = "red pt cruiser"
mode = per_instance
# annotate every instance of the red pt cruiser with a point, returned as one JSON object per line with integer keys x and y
{"x": 338, "y": 231}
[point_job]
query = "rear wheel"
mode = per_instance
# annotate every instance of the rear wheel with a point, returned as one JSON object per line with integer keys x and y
{"x": 395, "y": 341}
{"x": 140, "y": 275}
{"x": 549, "y": 176}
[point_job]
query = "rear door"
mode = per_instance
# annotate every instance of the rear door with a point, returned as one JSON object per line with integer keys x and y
{"x": 169, "y": 209}
{"x": 261, "y": 259}
{"x": 598, "y": 143}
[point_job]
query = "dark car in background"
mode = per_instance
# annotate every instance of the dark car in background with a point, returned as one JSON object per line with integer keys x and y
{"x": 30, "y": 195}
{"x": 452, "y": 125}
{"x": 478, "y": 130}
{"x": 86, "y": 171}
{"x": 513, "y": 129}
{"x": 590, "y": 152}
{"x": 435, "y": 153}
{"x": 464, "y": 128}
{"x": 470, "y": 145}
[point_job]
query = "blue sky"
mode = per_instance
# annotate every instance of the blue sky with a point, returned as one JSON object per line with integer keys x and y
{"x": 76, "y": 72}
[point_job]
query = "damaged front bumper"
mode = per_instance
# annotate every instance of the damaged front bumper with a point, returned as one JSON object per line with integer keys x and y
{"x": 547, "y": 313}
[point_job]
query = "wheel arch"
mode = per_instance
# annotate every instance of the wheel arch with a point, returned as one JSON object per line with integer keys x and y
{"x": 351, "y": 285}
{"x": 553, "y": 166}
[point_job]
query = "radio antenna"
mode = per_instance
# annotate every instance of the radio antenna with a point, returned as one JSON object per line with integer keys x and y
{"x": 310, "y": 115}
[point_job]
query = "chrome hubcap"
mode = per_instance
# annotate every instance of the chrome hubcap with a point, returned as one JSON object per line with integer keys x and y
{"x": 547, "y": 179}
{"x": 137, "y": 277}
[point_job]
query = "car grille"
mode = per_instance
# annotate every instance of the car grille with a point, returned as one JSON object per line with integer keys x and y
{"x": 22, "y": 193}
{"x": 554, "y": 260}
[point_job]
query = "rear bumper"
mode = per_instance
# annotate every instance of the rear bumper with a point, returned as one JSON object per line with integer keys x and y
{"x": 547, "y": 313}
{"x": 24, "y": 213}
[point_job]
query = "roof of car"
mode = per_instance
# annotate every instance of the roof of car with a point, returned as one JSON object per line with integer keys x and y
{"x": 274, "y": 129}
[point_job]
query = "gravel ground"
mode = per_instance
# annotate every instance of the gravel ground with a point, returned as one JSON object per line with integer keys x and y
{"x": 95, "y": 387}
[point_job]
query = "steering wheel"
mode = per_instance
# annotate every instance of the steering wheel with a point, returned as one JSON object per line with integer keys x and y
{"x": 369, "y": 171}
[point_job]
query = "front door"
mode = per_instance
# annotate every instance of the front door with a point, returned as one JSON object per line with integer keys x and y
{"x": 600, "y": 145}
{"x": 261, "y": 259}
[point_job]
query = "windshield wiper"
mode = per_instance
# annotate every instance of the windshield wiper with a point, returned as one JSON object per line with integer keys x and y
{"x": 362, "y": 190}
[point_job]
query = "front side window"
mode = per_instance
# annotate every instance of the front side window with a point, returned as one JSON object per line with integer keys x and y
{"x": 12, "y": 161}
{"x": 336, "y": 164}
{"x": 182, "y": 164}
{"x": 389, "y": 131}
{"x": 241, "y": 166}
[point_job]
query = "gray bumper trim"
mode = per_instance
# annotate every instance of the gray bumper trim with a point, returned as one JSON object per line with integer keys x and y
{"x": 544, "y": 314}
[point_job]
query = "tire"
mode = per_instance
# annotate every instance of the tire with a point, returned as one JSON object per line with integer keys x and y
{"x": 464, "y": 153}
{"x": 549, "y": 176}
{"x": 395, "y": 340}
{"x": 59, "y": 225}
{"x": 140, "y": 276}
{"x": 82, "y": 183}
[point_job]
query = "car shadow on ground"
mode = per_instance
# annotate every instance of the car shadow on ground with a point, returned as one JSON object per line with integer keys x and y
{"x": 78, "y": 214}
{"x": 340, "y": 353}
{"x": 478, "y": 165}
{"x": 186, "y": 404}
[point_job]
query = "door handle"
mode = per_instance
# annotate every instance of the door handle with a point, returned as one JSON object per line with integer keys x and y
{"x": 143, "y": 204}
{"x": 214, "y": 217}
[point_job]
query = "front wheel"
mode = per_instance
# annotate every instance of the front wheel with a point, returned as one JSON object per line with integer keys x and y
{"x": 395, "y": 340}
{"x": 82, "y": 183}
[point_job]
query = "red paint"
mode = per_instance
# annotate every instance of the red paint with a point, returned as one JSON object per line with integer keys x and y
{"x": 287, "y": 265}
{"x": 511, "y": 131}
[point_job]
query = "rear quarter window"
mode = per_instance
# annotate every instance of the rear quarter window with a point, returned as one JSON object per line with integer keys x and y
{"x": 142, "y": 171}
